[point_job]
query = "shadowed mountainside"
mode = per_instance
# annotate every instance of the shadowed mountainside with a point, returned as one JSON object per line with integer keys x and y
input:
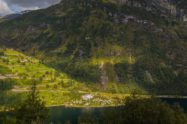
{"x": 137, "y": 41}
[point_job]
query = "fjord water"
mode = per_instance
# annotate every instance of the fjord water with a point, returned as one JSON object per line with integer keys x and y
{"x": 177, "y": 101}
{"x": 64, "y": 114}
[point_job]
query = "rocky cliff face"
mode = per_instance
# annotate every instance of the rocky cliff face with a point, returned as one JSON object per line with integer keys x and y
{"x": 172, "y": 7}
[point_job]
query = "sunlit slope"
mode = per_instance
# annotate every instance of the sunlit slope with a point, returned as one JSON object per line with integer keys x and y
{"x": 19, "y": 72}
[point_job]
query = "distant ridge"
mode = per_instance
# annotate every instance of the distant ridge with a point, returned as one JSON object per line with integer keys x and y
{"x": 15, "y": 15}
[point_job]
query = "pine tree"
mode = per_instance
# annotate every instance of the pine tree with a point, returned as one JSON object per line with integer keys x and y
{"x": 32, "y": 110}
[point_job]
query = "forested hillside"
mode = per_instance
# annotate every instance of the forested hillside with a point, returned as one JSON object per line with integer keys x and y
{"x": 108, "y": 41}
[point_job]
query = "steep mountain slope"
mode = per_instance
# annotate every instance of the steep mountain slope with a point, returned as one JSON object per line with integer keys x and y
{"x": 108, "y": 41}
{"x": 18, "y": 72}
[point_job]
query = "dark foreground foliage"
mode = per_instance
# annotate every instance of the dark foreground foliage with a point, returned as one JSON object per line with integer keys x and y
{"x": 31, "y": 111}
{"x": 140, "y": 111}
{"x": 146, "y": 111}
{"x": 135, "y": 111}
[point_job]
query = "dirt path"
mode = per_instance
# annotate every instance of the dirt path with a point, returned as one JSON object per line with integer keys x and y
{"x": 8, "y": 76}
{"x": 3, "y": 77}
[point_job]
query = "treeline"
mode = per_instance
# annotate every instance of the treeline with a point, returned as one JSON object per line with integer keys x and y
{"x": 6, "y": 84}
{"x": 136, "y": 110}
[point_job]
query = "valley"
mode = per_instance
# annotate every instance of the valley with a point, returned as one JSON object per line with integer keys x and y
{"x": 19, "y": 72}
{"x": 93, "y": 61}
{"x": 94, "y": 53}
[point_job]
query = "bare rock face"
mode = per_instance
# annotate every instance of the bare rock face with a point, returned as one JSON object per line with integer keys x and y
{"x": 167, "y": 7}
{"x": 104, "y": 77}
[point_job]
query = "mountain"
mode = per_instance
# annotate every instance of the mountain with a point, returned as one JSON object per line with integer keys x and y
{"x": 15, "y": 15}
{"x": 11, "y": 16}
{"x": 1, "y": 18}
{"x": 108, "y": 41}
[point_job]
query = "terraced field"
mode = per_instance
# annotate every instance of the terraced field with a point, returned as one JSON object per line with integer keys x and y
{"x": 18, "y": 72}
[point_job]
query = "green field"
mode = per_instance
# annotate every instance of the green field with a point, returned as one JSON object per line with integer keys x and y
{"x": 54, "y": 87}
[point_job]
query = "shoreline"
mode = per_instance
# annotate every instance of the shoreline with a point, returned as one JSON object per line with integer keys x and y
{"x": 76, "y": 106}
{"x": 171, "y": 96}
{"x": 108, "y": 106}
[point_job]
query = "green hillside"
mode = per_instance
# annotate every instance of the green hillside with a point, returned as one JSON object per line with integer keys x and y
{"x": 105, "y": 46}
{"x": 19, "y": 72}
